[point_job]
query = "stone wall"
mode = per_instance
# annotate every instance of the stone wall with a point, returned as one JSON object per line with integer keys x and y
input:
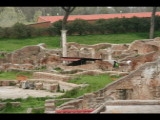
{"x": 31, "y": 57}
{"x": 53, "y": 76}
{"x": 48, "y": 84}
{"x": 4, "y": 104}
{"x": 102, "y": 50}
{"x": 141, "y": 84}
{"x": 8, "y": 82}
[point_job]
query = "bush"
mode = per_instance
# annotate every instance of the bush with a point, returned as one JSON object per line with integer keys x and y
{"x": 78, "y": 26}
{"x": 19, "y": 30}
{"x": 100, "y": 26}
{"x": 2, "y": 32}
{"x": 82, "y": 27}
{"x": 56, "y": 27}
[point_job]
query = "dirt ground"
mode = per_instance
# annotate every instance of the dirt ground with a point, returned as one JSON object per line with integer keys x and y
{"x": 12, "y": 92}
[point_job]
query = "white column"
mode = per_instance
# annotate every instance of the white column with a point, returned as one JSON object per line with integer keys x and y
{"x": 109, "y": 54}
{"x": 64, "y": 46}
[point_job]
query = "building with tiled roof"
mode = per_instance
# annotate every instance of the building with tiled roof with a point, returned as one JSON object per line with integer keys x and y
{"x": 46, "y": 21}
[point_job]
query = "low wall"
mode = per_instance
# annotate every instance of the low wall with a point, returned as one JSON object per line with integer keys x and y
{"x": 8, "y": 82}
{"x": 41, "y": 75}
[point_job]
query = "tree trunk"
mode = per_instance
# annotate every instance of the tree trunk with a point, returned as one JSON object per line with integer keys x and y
{"x": 151, "y": 35}
{"x": 67, "y": 10}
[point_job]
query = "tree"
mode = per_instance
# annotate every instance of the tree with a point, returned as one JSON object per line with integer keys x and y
{"x": 36, "y": 15}
{"x": 67, "y": 10}
{"x": 8, "y": 17}
{"x": 151, "y": 34}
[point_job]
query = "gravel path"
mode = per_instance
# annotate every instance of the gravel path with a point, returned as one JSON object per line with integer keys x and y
{"x": 12, "y": 92}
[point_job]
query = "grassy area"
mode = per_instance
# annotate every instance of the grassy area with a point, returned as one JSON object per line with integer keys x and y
{"x": 95, "y": 83}
{"x": 54, "y": 42}
{"x": 25, "y": 104}
{"x": 14, "y": 44}
{"x": 13, "y": 74}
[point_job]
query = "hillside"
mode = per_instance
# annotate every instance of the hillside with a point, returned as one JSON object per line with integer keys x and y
{"x": 11, "y": 15}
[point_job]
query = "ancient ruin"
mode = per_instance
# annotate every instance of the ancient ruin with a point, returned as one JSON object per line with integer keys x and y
{"x": 140, "y": 81}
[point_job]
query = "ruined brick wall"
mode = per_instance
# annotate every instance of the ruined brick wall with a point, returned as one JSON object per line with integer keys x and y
{"x": 88, "y": 101}
{"x": 87, "y": 51}
{"x": 143, "y": 46}
{"x": 141, "y": 59}
{"x": 141, "y": 84}
{"x": 31, "y": 57}
{"x": 8, "y": 82}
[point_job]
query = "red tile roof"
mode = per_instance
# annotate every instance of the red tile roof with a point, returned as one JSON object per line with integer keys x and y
{"x": 53, "y": 19}
{"x": 72, "y": 111}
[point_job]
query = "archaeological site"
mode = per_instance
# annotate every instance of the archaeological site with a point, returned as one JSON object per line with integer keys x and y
{"x": 137, "y": 91}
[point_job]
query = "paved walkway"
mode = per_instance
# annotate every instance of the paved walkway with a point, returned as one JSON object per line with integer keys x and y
{"x": 12, "y": 92}
{"x": 132, "y": 109}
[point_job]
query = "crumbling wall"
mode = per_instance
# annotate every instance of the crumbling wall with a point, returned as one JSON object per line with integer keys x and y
{"x": 143, "y": 46}
{"x": 31, "y": 57}
{"x": 142, "y": 84}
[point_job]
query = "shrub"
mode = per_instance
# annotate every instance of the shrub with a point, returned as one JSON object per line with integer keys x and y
{"x": 2, "y": 32}
{"x": 56, "y": 27}
{"x": 78, "y": 26}
{"x": 19, "y": 30}
{"x": 100, "y": 26}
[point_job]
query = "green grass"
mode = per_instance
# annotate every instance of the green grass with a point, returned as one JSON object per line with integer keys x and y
{"x": 111, "y": 38}
{"x": 30, "y": 102}
{"x": 14, "y": 44}
{"x": 54, "y": 42}
{"x": 95, "y": 83}
{"x": 12, "y": 75}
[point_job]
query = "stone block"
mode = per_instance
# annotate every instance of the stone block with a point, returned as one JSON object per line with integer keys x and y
{"x": 2, "y": 105}
{"x": 50, "y": 106}
{"x": 50, "y": 101}
{"x": 24, "y": 84}
{"x": 16, "y": 104}
{"x": 29, "y": 110}
{"x": 38, "y": 86}
{"x": 5, "y": 83}
{"x": 53, "y": 87}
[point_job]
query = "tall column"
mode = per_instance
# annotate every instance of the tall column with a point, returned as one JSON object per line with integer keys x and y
{"x": 109, "y": 54}
{"x": 64, "y": 46}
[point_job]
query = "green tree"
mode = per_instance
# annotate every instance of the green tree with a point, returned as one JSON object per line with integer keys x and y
{"x": 36, "y": 15}
{"x": 8, "y": 17}
{"x": 21, "y": 16}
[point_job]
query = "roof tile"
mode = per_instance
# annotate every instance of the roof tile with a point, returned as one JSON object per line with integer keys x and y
{"x": 53, "y": 19}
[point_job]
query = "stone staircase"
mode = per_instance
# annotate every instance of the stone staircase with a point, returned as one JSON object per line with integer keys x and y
{"x": 52, "y": 76}
{"x": 48, "y": 81}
